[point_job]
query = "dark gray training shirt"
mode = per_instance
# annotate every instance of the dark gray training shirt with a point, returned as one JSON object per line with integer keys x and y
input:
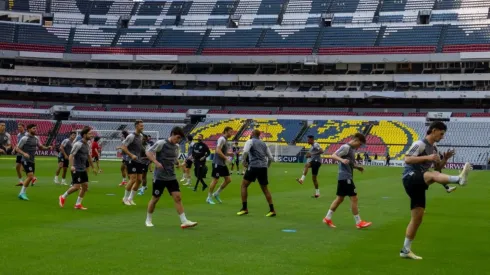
{"x": 167, "y": 154}
{"x": 29, "y": 145}
{"x": 223, "y": 144}
{"x": 134, "y": 142}
{"x": 5, "y": 139}
{"x": 419, "y": 148}
{"x": 80, "y": 152}
{"x": 315, "y": 152}
{"x": 259, "y": 153}
{"x": 346, "y": 170}
{"x": 67, "y": 146}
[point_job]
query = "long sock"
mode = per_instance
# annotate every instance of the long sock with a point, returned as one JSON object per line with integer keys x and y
{"x": 148, "y": 217}
{"x": 244, "y": 205}
{"x": 303, "y": 177}
{"x": 218, "y": 191}
{"x": 446, "y": 186}
{"x": 23, "y": 190}
{"x": 124, "y": 179}
{"x": 453, "y": 179}
{"x": 126, "y": 194}
{"x": 131, "y": 195}
{"x": 209, "y": 195}
{"x": 271, "y": 207}
{"x": 65, "y": 195}
{"x": 407, "y": 244}
{"x": 317, "y": 191}
{"x": 329, "y": 214}
{"x": 56, "y": 178}
{"x": 182, "y": 217}
{"x": 357, "y": 218}
{"x": 79, "y": 200}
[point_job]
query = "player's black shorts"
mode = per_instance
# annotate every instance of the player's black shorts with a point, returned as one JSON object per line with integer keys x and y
{"x": 29, "y": 167}
{"x": 315, "y": 167}
{"x": 220, "y": 171}
{"x": 18, "y": 159}
{"x": 146, "y": 167}
{"x": 64, "y": 161}
{"x": 95, "y": 159}
{"x": 160, "y": 185}
{"x": 87, "y": 164}
{"x": 346, "y": 188}
{"x": 188, "y": 163}
{"x": 256, "y": 173}
{"x": 79, "y": 177}
{"x": 125, "y": 162}
{"x": 135, "y": 167}
{"x": 415, "y": 187}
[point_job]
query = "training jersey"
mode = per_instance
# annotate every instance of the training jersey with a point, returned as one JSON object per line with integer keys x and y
{"x": 419, "y": 148}
{"x": 258, "y": 152}
{"x": 223, "y": 144}
{"x": 95, "y": 148}
{"x": 5, "y": 139}
{"x": 134, "y": 143}
{"x": 80, "y": 152}
{"x": 67, "y": 146}
{"x": 316, "y": 152}
{"x": 346, "y": 171}
{"x": 29, "y": 145}
{"x": 19, "y": 137}
{"x": 167, "y": 154}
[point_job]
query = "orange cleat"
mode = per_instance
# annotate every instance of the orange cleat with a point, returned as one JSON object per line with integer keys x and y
{"x": 329, "y": 223}
{"x": 62, "y": 201}
{"x": 80, "y": 207}
{"x": 363, "y": 224}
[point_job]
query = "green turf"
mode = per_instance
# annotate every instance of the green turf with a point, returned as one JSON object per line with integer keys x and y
{"x": 37, "y": 237}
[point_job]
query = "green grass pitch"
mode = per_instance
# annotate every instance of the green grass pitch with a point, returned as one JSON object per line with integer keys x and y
{"x": 37, "y": 237}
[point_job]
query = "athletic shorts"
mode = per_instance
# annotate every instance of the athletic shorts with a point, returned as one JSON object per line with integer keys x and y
{"x": 79, "y": 177}
{"x": 146, "y": 167}
{"x": 415, "y": 187}
{"x": 220, "y": 171}
{"x": 18, "y": 159}
{"x": 125, "y": 162}
{"x": 256, "y": 173}
{"x": 346, "y": 188}
{"x": 315, "y": 167}
{"x": 64, "y": 161}
{"x": 29, "y": 167}
{"x": 87, "y": 164}
{"x": 95, "y": 159}
{"x": 188, "y": 164}
{"x": 135, "y": 167}
{"x": 160, "y": 185}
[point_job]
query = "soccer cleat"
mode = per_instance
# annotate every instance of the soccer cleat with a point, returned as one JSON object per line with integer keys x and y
{"x": 122, "y": 183}
{"x": 64, "y": 183}
{"x": 56, "y": 181}
{"x": 80, "y": 207}
{"x": 409, "y": 255}
{"x": 242, "y": 212}
{"x": 19, "y": 184}
{"x": 183, "y": 179}
{"x": 188, "y": 224}
{"x": 33, "y": 181}
{"x": 62, "y": 201}
{"x": 131, "y": 202}
{"x": 210, "y": 201}
{"x": 300, "y": 181}
{"x": 126, "y": 202}
{"x": 149, "y": 224}
{"x": 271, "y": 214}
{"x": 316, "y": 196}
{"x": 217, "y": 198}
{"x": 363, "y": 224}
{"x": 329, "y": 223}
{"x": 451, "y": 189}
{"x": 23, "y": 197}
{"x": 463, "y": 177}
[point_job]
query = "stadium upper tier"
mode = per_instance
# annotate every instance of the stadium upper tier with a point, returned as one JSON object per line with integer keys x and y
{"x": 248, "y": 27}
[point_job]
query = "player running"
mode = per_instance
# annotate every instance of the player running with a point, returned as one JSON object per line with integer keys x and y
{"x": 132, "y": 146}
{"x": 96, "y": 153}
{"x": 164, "y": 154}
{"x": 417, "y": 178}
{"x": 200, "y": 153}
{"x": 345, "y": 155}
{"x": 187, "y": 165}
{"x": 63, "y": 158}
{"x": 27, "y": 148}
{"x": 220, "y": 169}
{"x": 79, "y": 155}
{"x": 314, "y": 163}
{"x": 18, "y": 160}
{"x": 236, "y": 158}
{"x": 260, "y": 157}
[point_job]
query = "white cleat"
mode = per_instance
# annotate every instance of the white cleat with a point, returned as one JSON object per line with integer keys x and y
{"x": 64, "y": 183}
{"x": 149, "y": 224}
{"x": 131, "y": 202}
{"x": 451, "y": 189}
{"x": 188, "y": 224}
{"x": 300, "y": 181}
{"x": 183, "y": 179}
{"x": 463, "y": 177}
{"x": 56, "y": 181}
{"x": 210, "y": 201}
{"x": 126, "y": 202}
{"x": 409, "y": 255}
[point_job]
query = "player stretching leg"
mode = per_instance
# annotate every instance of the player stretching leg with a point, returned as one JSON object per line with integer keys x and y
{"x": 345, "y": 155}
{"x": 164, "y": 154}
{"x": 27, "y": 148}
{"x": 444, "y": 158}
{"x": 260, "y": 158}
{"x": 220, "y": 169}
{"x": 63, "y": 158}
{"x": 417, "y": 178}
{"x": 315, "y": 162}
{"x": 132, "y": 146}
{"x": 18, "y": 160}
{"x": 79, "y": 155}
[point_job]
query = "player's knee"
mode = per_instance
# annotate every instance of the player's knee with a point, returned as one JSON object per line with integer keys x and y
{"x": 339, "y": 199}
{"x": 354, "y": 199}
{"x": 177, "y": 198}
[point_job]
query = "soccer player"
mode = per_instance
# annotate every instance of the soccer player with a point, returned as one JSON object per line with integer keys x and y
{"x": 260, "y": 157}
{"x": 63, "y": 158}
{"x": 5, "y": 139}
{"x": 345, "y": 155}
{"x": 417, "y": 178}
{"x": 186, "y": 176}
{"x": 132, "y": 146}
{"x": 315, "y": 162}
{"x": 200, "y": 153}
{"x": 164, "y": 154}
{"x": 79, "y": 155}
{"x": 146, "y": 165}
{"x": 27, "y": 148}
{"x": 236, "y": 158}
{"x": 125, "y": 159}
{"x": 220, "y": 169}
{"x": 18, "y": 160}
{"x": 96, "y": 153}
